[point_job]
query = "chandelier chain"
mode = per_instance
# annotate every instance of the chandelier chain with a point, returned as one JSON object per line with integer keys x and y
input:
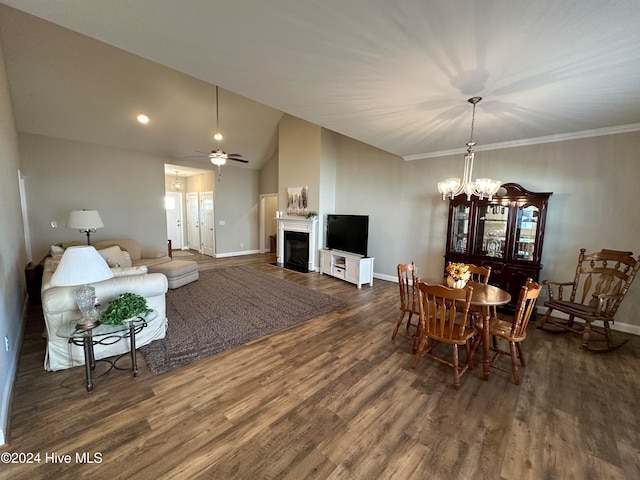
{"x": 482, "y": 187}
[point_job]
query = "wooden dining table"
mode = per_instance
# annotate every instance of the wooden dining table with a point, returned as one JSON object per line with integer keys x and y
{"x": 485, "y": 297}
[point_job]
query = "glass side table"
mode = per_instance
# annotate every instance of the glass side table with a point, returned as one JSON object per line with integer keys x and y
{"x": 105, "y": 334}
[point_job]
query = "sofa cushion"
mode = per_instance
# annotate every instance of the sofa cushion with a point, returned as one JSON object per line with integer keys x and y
{"x": 125, "y": 271}
{"x": 115, "y": 257}
{"x": 128, "y": 244}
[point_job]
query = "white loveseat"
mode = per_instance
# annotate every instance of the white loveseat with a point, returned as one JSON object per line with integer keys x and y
{"x": 59, "y": 307}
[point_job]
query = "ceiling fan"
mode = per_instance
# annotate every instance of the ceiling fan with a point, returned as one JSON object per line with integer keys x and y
{"x": 218, "y": 156}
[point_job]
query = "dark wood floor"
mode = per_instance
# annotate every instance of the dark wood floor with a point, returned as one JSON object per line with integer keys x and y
{"x": 332, "y": 398}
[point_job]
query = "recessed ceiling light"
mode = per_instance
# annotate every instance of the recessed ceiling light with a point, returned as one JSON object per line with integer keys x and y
{"x": 143, "y": 118}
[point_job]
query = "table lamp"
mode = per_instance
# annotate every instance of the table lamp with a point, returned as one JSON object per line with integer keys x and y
{"x": 87, "y": 221}
{"x": 82, "y": 265}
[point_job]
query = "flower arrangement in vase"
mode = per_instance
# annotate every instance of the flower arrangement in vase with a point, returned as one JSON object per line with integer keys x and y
{"x": 457, "y": 275}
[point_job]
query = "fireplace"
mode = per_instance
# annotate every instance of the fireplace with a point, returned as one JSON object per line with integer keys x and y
{"x": 297, "y": 250}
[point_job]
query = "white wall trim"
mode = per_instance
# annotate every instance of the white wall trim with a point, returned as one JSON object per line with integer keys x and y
{"x": 561, "y": 137}
{"x": 617, "y": 326}
{"x": 236, "y": 254}
{"x": 541, "y": 310}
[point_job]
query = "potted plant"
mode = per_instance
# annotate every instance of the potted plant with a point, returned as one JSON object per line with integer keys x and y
{"x": 128, "y": 305}
{"x": 312, "y": 214}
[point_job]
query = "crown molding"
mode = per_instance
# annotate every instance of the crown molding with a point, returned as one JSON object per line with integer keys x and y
{"x": 632, "y": 127}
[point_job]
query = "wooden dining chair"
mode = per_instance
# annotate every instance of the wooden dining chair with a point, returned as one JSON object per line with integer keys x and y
{"x": 443, "y": 319}
{"x": 408, "y": 283}
{"x": 514, "y": 331}
{"x": 481, "y": 275}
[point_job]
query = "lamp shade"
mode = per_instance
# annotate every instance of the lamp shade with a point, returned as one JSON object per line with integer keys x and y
{"x": 79, "y": 266}
{"x": 84, "y": 219}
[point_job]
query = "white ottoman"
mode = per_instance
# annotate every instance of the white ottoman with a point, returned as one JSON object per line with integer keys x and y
{"x": 178, "y": 272}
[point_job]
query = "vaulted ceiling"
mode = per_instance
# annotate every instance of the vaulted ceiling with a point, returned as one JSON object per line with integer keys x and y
{"x": 395, "y": 75}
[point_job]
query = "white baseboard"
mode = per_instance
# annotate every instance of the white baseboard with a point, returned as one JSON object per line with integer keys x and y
{"x": 618, "y": 326}
{"x": 388, "y": 278}
{"x": 236, "y": 254}
{"x": 541, "y": 309}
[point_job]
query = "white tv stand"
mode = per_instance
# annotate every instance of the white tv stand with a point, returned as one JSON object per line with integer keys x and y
{"x": 347, "y": 266}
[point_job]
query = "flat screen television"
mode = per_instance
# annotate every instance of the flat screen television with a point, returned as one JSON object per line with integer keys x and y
{"x": 348, "y": 233}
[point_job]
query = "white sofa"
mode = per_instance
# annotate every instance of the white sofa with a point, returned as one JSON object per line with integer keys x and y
{"x": 59, "y": 307}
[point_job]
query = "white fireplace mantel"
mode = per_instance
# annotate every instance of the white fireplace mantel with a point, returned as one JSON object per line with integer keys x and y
{"x": 305, "y": 225}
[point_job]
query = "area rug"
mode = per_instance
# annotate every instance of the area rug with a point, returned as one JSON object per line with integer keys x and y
{"x": 228, "y": 307}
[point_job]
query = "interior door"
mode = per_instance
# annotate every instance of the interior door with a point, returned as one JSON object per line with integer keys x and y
{"x": 173, "y": 207}
{"x": 193, "y": 222}
{"x": 207, "y": 225}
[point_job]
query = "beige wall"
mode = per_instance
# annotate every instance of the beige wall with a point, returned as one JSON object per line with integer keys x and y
{"x": 237, "y": 205}
{"x": 593, "y": 203}
{"x": 13, "y": 255}
{"x": 269, "y": 175}
{"x": 593, "y": 182}
{"x": 127, "y": 189}
{"x": 300, "y": 155}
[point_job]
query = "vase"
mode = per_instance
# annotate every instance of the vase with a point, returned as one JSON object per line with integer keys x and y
{"x": 456, "y": 283}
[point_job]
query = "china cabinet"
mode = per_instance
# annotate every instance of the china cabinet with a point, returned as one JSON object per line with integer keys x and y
{"x": 505, "y": 233}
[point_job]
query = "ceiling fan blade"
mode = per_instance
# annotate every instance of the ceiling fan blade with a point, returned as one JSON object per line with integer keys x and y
{"x": 237, "y": 159}
{"x": 197, "y": 156}
{"x": 233, "y": 155}
{"x": 198, "y": 151}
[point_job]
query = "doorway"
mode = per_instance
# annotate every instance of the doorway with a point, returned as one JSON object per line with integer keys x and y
{"x": 193, "y": 222}
{"x": 268, "y": 222}
{"x": 206, "y": 230}
{"x": 173, "y": 208}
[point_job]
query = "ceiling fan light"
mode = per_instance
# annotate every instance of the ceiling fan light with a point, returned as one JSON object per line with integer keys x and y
{"x": 219, "y": 160}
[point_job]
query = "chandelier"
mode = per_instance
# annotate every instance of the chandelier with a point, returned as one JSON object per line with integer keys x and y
{"x": 482, "y": 187}
{"x": 177, "y": 184}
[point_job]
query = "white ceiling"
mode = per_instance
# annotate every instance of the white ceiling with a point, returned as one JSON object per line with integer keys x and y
{"x": 393, "y": 74}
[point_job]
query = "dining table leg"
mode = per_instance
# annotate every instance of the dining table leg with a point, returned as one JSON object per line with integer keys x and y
{"x": 486, "y": 317}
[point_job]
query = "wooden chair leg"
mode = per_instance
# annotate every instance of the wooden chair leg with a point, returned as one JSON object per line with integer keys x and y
{"x": 419, "y": 352}
{"x": 409, "y": 322}
{"x": 544, "y": 318}
{"x": 395, "y": 330}
{"x": 514, "y": 363}
{"x": 586, "y": 334}
{"x": 456, "y": 372}
{"x": 521, "y": 354}
{"x": 607, "y": 334}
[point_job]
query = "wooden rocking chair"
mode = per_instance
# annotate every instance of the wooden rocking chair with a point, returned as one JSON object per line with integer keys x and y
{"x": 604, "y": 279}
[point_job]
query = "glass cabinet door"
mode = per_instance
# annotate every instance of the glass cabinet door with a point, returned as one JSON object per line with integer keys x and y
{"x": 526, "y": 231}
{"x": 491, "y": 231}
{"x": 460, "y": 228}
